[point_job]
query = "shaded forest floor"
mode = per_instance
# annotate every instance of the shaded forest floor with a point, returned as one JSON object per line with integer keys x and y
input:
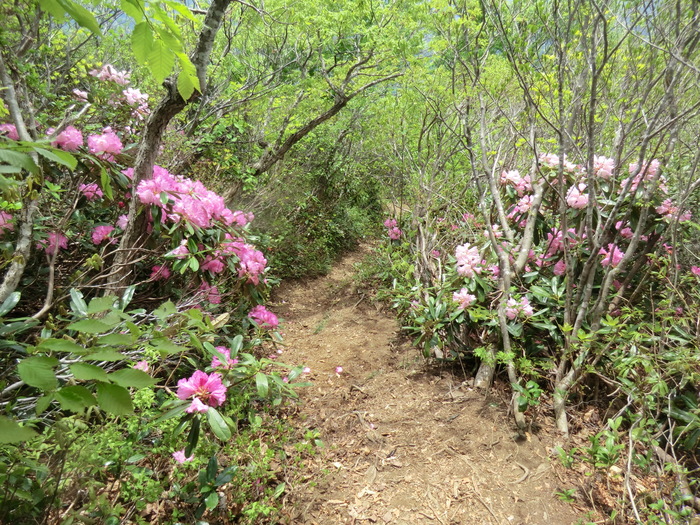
{"x": 405, "y": 442}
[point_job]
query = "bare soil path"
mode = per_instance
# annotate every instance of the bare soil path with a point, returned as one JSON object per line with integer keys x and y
{"x": 404, "y": 443}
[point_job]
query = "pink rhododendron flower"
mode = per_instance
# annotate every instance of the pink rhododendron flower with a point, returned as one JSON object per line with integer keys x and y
{"x": 160, "y": 273}
{"x": 205, "y": 390}
{"x": 612, "y": 256}
{"x": 80, "y": 95}
{"x": 560, "y": 267}
{"x": 213, "y": 265}
{"x": 109, "y": 73}
{"x": 515, "y": 308}
{"x": 227, "y": 363}
{"x": 142, "y": 365}
{"x": 263, "y": 317}
{"x": 521, "y": 184}
{"x": 390, "y": 223}
{"x": 6, "y": 222}
{"x": 603, "y": 167}
{"x": 105, "y": 145}
{"x": 213, "y": 295}
{"x": 91, "y": 191}
{"x": 463, "y": 298}
{"x": 306, "y": 370}
{"x": 54, "y": 242}
{"x": 624, "y": 229}
{"x": 695, "y": 270}
{"x": 251, "y": 263}
{"x": 10, "y": 131}
{"x": 549, "y": 159}
{"x": 180, "y": 252}
{"x": 338, "y": 370}
{"x": 100, "y": 233}
{"x": 576, "y": 197}
{"x": 122, "y": 221}
{"x": 134, "y": 97}
{"x": 395, "y": 234}
{"x": 70, "y": 139}
{"x": 468, "y": 260}
{"x": 180, "y": 456}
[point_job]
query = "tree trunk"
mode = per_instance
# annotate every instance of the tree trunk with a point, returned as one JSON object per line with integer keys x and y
{"x": 169, "y": 106}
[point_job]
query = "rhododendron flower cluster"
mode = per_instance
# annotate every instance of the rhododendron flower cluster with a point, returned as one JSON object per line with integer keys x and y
{"x": 646, "y": 173}
{"x": 91, "y": 191}
{"x": 515, "y": 308}
{"x": 463, "y": 298}
{"x": 188, "y": 200}
{"x": 468, "y": 260}
{"x": 611, "y": 256}
{"x": 54, "y": 242}
{"x": 100, "y": 233}
{"x": 603, "y": 167}
{"x": 160, "y": 273}
{"x": 252, "y": 262}
{"x": 577, "y": 197}
{"x": 205, "y": 390}
{"x": 10, "y": 131}
{"x": 212, "y": 293}
{"x": 105, "y": 145}
{"x": 522, "y": 184}
{"x": 70, "y": 139}
{"x": 80, "y": 95}
{"x": 109, "y": 73}
{"x": 263, "y": 317}
{"x": 6, "y": 222}
{"x": 227, "y": 362}
{"x": 142, "y": 365}
{"x": 393, "y": 229}
{"x": 213, "y": 264}
{"x": 180, "y": 457}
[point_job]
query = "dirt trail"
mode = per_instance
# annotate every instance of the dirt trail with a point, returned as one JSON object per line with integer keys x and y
{"x": 404, "y": 444}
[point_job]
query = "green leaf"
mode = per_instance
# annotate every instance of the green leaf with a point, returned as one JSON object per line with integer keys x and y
{"x": 192, "y": 437}
{"x": 77, "y": 303}
{"x": 261, "y": 384}
{"x": 38, "y": 372}
{"x": 211, "y": 501}
{"x": 134, "y": 9}
{"x": 87, "y": 372}
{"x": 185, "y": 85}
{"x": 218, "y": 424}
{"x": 173, "y": 412}
{"x": 194, "y": 264}
{"x": 182, "y": 9}
{"x": 9, "y": 303}
{"x": 127, "y": 296}
{"x": 42, "y": 403}
{"x": 61, "y": 345}
{"x": 81, "y": 15}
{"x": 114, "y": 399}
{"x": 60, "y": 157}
{"x": 142, "y": 42}
{"x": 105, "y": 355}
{"x": 75, "y": 398}
{"x": 12, "y": 432}
{"x": 160, "y": 61}
{"x": 100, "y": 304}
{"x": 20, "y": 160}
{"x": 89, "y": 326}
{"x": 53, "y": 8}
{"x": 130, "y": 377}
{"x": 167, "y": 347}
{"x": 106, "y": 184}
{"x": 279, "y": 490}
{"x": 116, "y": 340}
